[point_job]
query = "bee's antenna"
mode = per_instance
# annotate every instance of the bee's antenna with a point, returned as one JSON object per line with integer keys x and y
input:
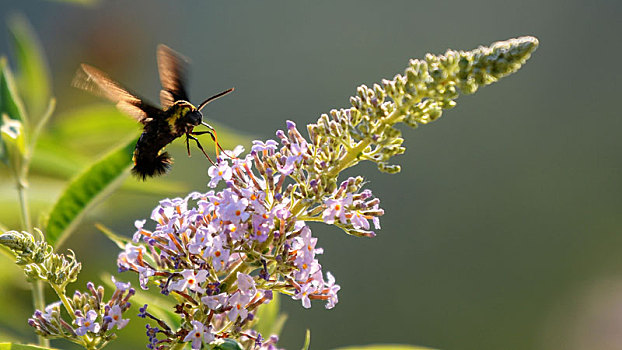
{"x": 213, "y": 98}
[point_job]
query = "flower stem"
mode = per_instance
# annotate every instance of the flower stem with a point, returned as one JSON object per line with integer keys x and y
{"x": 39, "y": 303}
{"x": 23, "y": 204}
{"x": 61, "y": 295}
{"x": 38, "y": 299}
{"x": 351, "y": 158}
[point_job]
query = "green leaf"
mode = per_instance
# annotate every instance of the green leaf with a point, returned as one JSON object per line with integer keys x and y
{"x": 384, "y": 347}
{"x": 10, "y": 102}
{"x": 120, "y": 241}
{"x": 269, "y": 321}
{"x": 54, "y": 159}
{"x": 159, "y": 307}
{"x": 11, "y": 346}
{"x": 89, "y": 128}
{"x": 305, "y": 346}
{"x": 83, "y": 191}
{"x": 33, "y": 77}
{"x": 42, "y": 195}
{"x": 12, "y": 136}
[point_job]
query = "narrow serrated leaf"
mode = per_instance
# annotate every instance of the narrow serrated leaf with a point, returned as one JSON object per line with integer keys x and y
{"x": 84, "y": 190}
{"x": 33, "y": 77}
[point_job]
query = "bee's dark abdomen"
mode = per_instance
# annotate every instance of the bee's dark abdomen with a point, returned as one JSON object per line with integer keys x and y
{"x": 149, "y": 157}
{"x": 152, "y": 165}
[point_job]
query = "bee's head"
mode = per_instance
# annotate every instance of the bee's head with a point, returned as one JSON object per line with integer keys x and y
{"x": 194, "y": 117}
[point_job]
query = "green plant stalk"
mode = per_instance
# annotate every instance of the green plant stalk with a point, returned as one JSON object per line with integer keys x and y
{"x": 352, "y": 157}
{"x": 39, "y": 303}
{"x": 38, "y": 298}
{"x": 60, "y": 292}
{"x": 23, "y": 204}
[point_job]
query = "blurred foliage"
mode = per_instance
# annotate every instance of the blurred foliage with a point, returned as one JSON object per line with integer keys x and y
{"x": 384, "y": 347}
{"x": 269, "y": 320}
{"x": 9, "y": 346}
{"x": 307, "y": 340}
{"x": 33, "y": 78}
{"x": 79, "y": 2}
{"x": 10, "y": 103}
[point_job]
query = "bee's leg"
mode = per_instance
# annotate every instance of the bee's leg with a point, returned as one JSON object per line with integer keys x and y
{"x": 188, "y": 145}
{"x": 212, "y": 134}
{"x": 190, "y": 137}
{"x": 203, "y": 133}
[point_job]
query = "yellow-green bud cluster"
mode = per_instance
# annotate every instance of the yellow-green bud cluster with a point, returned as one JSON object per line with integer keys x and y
{"x": 366, "y": 131}
{"x": 38, "y": 259}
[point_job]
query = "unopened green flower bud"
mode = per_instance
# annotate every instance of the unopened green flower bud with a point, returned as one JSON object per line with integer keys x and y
{"x": 389, "y": 168}
{"x": 12, "y": 137}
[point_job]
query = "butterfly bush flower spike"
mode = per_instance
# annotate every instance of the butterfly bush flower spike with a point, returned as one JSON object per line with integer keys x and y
{"x": 223, "y": 253}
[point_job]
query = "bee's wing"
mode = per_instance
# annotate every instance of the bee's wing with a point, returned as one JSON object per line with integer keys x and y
{"x": 173, "y": 69}
{"x": 97, "y": 82}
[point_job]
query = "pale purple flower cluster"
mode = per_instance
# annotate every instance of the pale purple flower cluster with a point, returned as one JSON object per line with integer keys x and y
{"x": 225, "y": 252}
{"x": 95, "y": 319}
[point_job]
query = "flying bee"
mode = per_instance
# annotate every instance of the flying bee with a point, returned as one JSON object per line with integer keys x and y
{"x": 177, "y": 116}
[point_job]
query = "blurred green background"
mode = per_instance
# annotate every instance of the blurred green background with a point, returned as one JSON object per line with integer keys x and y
{"x": 503, "y": 231}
